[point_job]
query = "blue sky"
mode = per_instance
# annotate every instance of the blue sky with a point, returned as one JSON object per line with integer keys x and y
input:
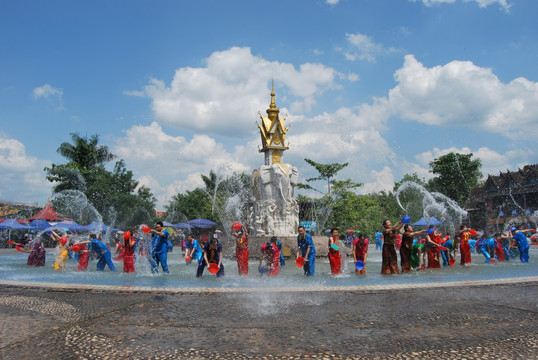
{"x": 174, "y": 87}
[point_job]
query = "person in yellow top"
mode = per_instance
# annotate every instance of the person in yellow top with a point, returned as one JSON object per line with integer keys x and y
{"x": 61, "y": 258}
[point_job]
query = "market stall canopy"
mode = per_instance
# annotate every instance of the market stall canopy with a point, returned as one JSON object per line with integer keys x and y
{"x": 47, "y": 213}
{"x": 70, "y": 225}
{"x": 12, "y": 224}
{"x": 39, "y": 224}
{"x": 201, "y": 223}
{"x": 95, "y": 226}
{"x": 427, "y": 222}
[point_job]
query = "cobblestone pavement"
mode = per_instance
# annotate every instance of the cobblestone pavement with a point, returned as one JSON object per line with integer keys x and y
{"x": 418, "y": 322}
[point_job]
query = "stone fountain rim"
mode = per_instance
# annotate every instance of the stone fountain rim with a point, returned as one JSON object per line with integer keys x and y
{"x": 168, "y": 290}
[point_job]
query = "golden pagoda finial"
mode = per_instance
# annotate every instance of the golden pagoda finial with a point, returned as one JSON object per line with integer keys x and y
{"x": 273, "y": 132}
{"x": 273, "y": 104}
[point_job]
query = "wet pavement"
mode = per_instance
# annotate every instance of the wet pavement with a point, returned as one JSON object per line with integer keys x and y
{"x": 454, "y": 321}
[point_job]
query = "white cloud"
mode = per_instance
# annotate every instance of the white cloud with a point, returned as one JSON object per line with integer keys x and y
{"x": 463, "y": 94}
{"x": 353, "y": 77}
{"x": 231, "y": 89}
{"x": 347, "y": 135}
{"x": 21, "y": 175}
{"x": 171, "y": 164}
{"x": 364, "y": 48}
{"x": 53, "y": 95}
{"x": 458, "y": 94}
{"x": 135, "y": 93}
{"x": 332, "y": 2}
{"x": 485, "y": 3}
{"x": 380, "y": 180}
{"x": 435, "y": 2}
{"x": 481, "y": 3}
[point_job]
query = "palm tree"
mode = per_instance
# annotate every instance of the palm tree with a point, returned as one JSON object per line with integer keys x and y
{"x": 84, "y": 153}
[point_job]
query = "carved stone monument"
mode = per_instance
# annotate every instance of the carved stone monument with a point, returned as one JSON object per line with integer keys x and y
{"x": 276, "y": 212}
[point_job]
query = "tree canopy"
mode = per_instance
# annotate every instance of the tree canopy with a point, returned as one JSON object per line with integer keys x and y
{"x": 456, "y": 175}
{"x": 326, "y": 172}
{"x": 114, "y": 194}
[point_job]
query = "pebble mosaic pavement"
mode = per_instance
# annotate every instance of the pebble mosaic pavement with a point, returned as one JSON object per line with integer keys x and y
{"x": 490, "y": 319}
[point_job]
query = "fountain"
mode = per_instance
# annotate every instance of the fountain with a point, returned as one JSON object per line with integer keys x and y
{"x": 13, "y": 268}
{"x": 267, "y": 208}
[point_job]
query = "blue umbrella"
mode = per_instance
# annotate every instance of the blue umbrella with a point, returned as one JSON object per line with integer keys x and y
{"x": 202, "y": 223}
{"x": 181, "y": 225}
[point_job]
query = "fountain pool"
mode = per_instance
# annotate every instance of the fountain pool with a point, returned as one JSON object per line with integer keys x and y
{"x": 13, "y": 268}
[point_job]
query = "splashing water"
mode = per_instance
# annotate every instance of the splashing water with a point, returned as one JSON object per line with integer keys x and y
{"x": 419, "y": 202}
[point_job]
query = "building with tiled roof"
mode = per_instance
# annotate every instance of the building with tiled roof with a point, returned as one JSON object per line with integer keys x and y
{"x": 505, "y": 199}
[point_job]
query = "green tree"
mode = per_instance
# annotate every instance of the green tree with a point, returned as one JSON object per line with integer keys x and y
{"x": 326, "y": 172}
{"x": 85, "y": 153}
{"x": 456, "y": 174}
{"x": 213, "y": 201}
{"x": 191, "y": 205}
{"x": 330, "y": 208}
{"x": 114, "y": 194}
{"x": 410, "y": 178}
{"x": 118, "y": 197}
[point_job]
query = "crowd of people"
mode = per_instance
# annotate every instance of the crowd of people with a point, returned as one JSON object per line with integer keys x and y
{"x": 429, "y": 251}
{"x": 419, "y": 250}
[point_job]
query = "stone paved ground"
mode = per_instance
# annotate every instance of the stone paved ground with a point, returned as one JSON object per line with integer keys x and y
{"x": 467, "y": 322}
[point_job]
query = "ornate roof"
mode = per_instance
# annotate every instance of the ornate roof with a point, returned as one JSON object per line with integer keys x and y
{"x": 47, "y": 213}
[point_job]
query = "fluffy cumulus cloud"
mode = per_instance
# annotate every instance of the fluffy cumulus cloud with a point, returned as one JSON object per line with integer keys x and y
{"x": 53, "y": 95}
{"x": 231, "y": 89}
{"x": 170, "y": 164}
{"x": 347, "y": 135}
{"x": 463, "y": 94}
{"x": 21, "y": 175}
{"x": 378, "y": 181}
{"x": 363, "y": 47}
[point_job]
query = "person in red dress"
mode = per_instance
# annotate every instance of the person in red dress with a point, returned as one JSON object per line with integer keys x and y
{"x": 128, "y": 252}
{"x": 83, "y": 257}
{"x": 241, "y": 248}
{"x": 499, "y": 251}
{"x": 407, "y": 247}
{"x": 271, "y": 255}
{"x": 360, "y": 252}
{"x": 389, "y": 263}
{"x": 431, "y": 246}
{"x": 119, "y": 251}
{"x": 465, "y": 248}
{"x": 334, "y": 252}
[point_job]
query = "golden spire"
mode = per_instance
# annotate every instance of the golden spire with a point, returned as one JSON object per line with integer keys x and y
{"x": 272, "y": 131}
{"x": 273, "y": 105}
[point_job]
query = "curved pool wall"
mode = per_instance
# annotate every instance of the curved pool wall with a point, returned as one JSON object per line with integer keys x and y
{"x": 13, "y": 269}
